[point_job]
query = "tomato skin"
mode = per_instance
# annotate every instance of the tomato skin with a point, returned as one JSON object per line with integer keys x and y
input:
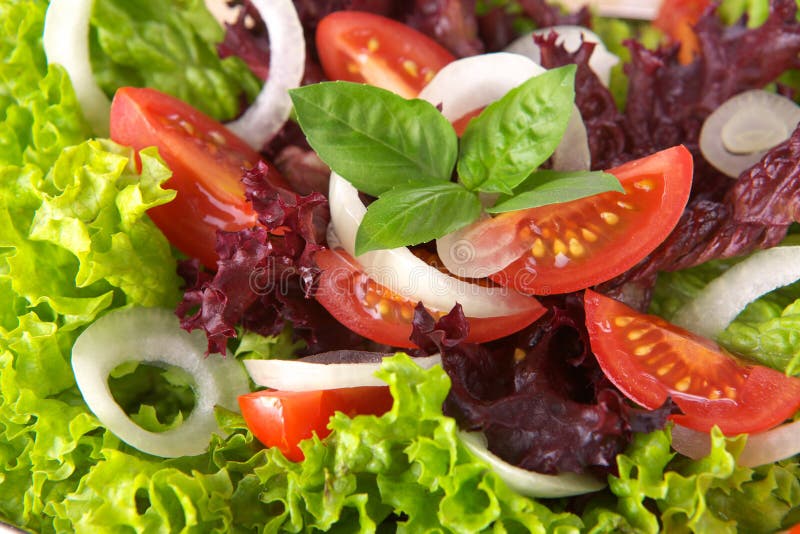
{"x": 206, "y": 160}
{"x": 283, "y": 419}
{"x": 575, "y": 245}
{"x": 373, "y": 311}
{"x": 649, "y": 359}
{"x": 677, "y": 18}
{"x": 363, "y": 47}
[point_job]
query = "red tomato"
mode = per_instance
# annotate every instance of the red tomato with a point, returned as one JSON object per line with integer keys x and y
{"x": 648, "y": 359}
{"x": 578, "y": 244}
{"x": 375, "y": 312}
{"x": 206, "y": 161}
{"x": 364, "y": 47}
{"x": 283, "y": 419}
{"x": 677, "y": 19}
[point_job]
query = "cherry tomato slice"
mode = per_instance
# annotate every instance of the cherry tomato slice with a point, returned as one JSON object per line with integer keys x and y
{"x": 206, "y": 160}
{"x": 283, "y": 419}
{"x": 649, "y": 359}
{"x": 375, "y": 312}
{"x": 363, "y": 47}
{"x": 578, "y": 244}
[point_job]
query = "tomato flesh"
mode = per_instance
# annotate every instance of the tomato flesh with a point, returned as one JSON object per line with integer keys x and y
{"x": 574, "y": 245}
{"x": 283, "y": 419}
{"x": 650, "y": 359}
{"x": 363, "y": 47}
{"x": 375, "y": 312}
{"x": 206, "y": 160}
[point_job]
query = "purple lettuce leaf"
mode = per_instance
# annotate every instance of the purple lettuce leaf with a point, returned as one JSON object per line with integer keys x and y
{"x": 540, "y": 397}
{"x": 265, "y": 274}
{"x": 667, "y": 104}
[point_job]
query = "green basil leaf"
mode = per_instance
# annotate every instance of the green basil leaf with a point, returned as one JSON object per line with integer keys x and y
{"x": 553, "y": 187}
{"x": 374, "y": 138}
{"x": 517, "y": 133}
{"x": 415, "y": 214}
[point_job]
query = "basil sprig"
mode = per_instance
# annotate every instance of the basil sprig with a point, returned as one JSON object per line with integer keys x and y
{"x": 405, "y": 152}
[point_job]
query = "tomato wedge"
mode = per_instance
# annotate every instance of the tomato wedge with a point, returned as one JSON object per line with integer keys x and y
{"x": 649, "y": 359}
{"x": 578, "y": 244}
{"x": 206, "y": 160}
{"x": 283, "y": 419}
{"x": 375, "y": 312}
{"x": 363, "y": 47}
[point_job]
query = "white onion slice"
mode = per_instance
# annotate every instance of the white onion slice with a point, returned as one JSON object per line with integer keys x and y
{"x": 601, "y": 61}
{"x": 527, "y": 482}
{"x": 66, "y": 42}
{"x": 272, "y": 107}
{"x": 297, "y": 375}
{"x": 154, "y": 336}
{"x": 405, "y": 274}
{"x": 713, "y": 309}
{"x": 472, "y": 83}
{"x": 763, "y": 448}
{"x": 623, "y": 9}
{"x": 739, "y": 132}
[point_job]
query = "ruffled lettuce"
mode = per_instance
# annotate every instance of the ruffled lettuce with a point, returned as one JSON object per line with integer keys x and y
{"x": 143, "y": 43}
{"x": 657, "y": 490}
{"x": 406, "y": 466}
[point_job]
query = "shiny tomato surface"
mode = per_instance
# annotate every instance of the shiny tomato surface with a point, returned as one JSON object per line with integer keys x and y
{"x": 649, "y": 359}
{"x": 363, "y": 47}
{"x": 206, "y": 159}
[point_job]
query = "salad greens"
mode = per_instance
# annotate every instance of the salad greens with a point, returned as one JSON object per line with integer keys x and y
{"x": 75, "y": 243}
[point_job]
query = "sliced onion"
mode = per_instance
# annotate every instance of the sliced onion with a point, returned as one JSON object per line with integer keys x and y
{"x": 472, "y": 83}
{"x": 299, "y": 375}
{"x": 622, "y": 9}
{"x": 272, "y": 107}
{"x": 601, "y": 61}
{"x": 763, "y": 448}
{"x": 527, "y": 482}
{"x": 403, "y": 273}
{"x": 739, "y": 132}
{"x": 154, "y": 336}
{"x": 713, "y": 309}
{"x": 66, "y": 43}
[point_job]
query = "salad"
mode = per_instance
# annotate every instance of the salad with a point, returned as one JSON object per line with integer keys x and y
{"x": 226, "y": 307}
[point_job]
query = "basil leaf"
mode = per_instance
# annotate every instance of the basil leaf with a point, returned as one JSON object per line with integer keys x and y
{"x": 374, "y": 138}
{"x": 415, "y": 214}
{"x": 552, "y": 187}
{"x": 517, "y": 133}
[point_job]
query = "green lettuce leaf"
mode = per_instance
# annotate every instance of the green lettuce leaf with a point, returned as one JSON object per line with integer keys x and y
{"x": 408, "y": 462}
{"x": 143, "y": 43}
{"x": 658, "y": 490}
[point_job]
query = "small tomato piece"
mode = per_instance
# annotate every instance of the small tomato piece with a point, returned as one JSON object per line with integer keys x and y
{"x": 578, "y": 244}
{"x": 283, "y": 419}
{"x": 363, "y": 47}
{"x": 677, "y": 19}
{"x": 650, "y": 359}
{"x": 206, "y": 160}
